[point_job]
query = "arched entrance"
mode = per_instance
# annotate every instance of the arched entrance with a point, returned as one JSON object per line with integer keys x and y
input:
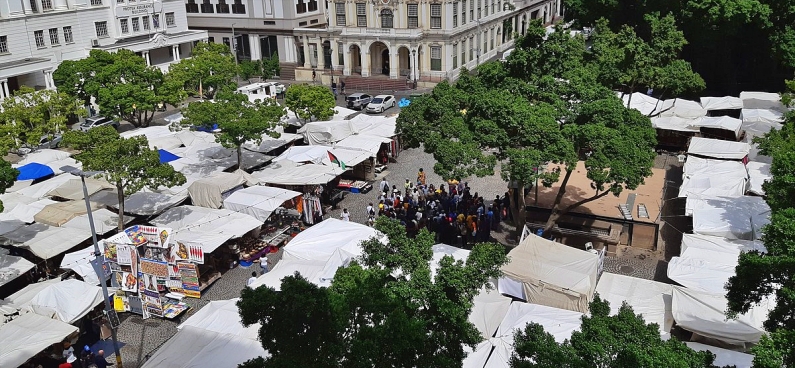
{"x": 404, "y": 61}
{"x": 356, "y": 59}
{"x": 379, "y": 58}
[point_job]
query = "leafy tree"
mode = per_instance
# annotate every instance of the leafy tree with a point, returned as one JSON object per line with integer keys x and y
{"x": 122, "y": 84}
{"x": 271, "y": 67}
{"x": 759, "y": 275}
{"x": 8, "y": 175}
{"x": 386, "y": 310}
{"x": 250, "y": 69}
{"x": 127, "y": 163}
{"x": 30, "y": 115}
{"x": 240, "y": 121}
{"x": 210, "y": 69}
{"x": 542, "y": 106}
{"x": 310, "y": 102}
{"x": 623, "y": 340}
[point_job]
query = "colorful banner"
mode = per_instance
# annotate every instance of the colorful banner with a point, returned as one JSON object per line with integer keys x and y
{"x": 136, "y": 235}
{"x": 152, "y": 236}
{"x": 189, "y": 273}
{"x": 196, "y": 254}
{"x": 152, "y": 303}
{"x": 154, "y": 267}
{"x": 111, "y": 251}
{"x": 178, "y": 252}
{"x": 123, "y": 256}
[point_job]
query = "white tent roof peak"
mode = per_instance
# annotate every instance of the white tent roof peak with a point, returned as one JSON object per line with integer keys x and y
{"x": 258, "y": 201}
{"x": 721, "y": 103}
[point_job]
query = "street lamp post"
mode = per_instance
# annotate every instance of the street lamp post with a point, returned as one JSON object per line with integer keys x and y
{"x": 233, "y": 47}
{"x": 414, "y": 65}
{"x": 99, "y": 258}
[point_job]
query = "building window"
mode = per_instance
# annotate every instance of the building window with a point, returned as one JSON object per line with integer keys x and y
{"x": 145, "y": 21}
{"x": 39, "y": 36}
{"x": 314, "y": 21}
{"x": 34, "y": 7}
{"x": 119, "y": 1}
{"x": 54, "y": 39}
{"x": 436, "y": 16}
{"x": 436, "y": 58}
{"x": 361, "y": 15}
{"x": 312, "y": 5}
{"x": 222, "y": 7}
{"x": 413, "y": 20}
{"x": 491, "y": 34}
{"x": 340, "y": 54}
{"x": 300, "y": 7}
{"x": 340, "y": 8}
{"x": 67, "y": 35}
{"x": 170, "y": 22}
{"x": 3, "y": 44}
{"x": 386, "y": 18}
{"x": 225, "y": 40}
{"x": 471, "y": 10}
{"x": 207, "y": 7}
{"x": 210, "y": 39}
{"x": 471, "y": 48}
{"x": 125, "y": 25}
{"x": 136, "y": 25}
{"x": 302, "y": 24}
{"x": 192, "y": 7}
{"x": 492, "y": 6}
{"x": 455, "y": 15}
{"x": 156, "y": 20}
{"x": 463, "y": 51}
{"x": 479, "y": 3}
{"x": 96, "y": 2}
{"x": 46, "y": 5}
{"x": 485, "y": 42}
{"x": 463, "y": 12}
{"x": 455, "y": 55}
{"x": 238, "y": 7}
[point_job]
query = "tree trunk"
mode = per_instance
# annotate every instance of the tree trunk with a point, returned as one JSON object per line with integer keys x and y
{"x": 120, "y": 196}
{"x": 518, "y": 209}
{"x": 240, "y": 157}
{"x": 555, "y": 215}
{"x": 557, "y": 212}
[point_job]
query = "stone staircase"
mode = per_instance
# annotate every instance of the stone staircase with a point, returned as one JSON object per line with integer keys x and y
{"x": 374, "y": 84}
{"x": 287, "y": 71}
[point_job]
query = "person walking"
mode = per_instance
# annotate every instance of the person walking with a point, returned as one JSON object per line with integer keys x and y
{"x": 251, "y": 279}
{"x": 421, "y": 177}
{"x": 345, "y": 216}
{"x": 100, "y": 361}
{"x": 384, "y": 185}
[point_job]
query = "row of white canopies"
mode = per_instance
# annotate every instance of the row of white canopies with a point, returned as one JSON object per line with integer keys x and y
{"x": 554, "y": 280}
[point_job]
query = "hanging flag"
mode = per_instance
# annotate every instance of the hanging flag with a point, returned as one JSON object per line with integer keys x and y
{"x": 335, "y": 160}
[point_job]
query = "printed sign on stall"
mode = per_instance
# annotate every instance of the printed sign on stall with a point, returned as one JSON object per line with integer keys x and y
{"x": 178, "y": 251}
{"x": 152, "y": 303}
{"x": 189, "y": 274}
{"x": 154, "y": 267}
{"x": 196, "y": 254}
{"x": 129, "y": 282}
{"x": 111, "y": 250}
{"x": 123, "y": 256}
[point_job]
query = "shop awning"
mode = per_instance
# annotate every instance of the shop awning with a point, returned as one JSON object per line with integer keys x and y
{"x": 258, "y": 201}
{"x": 222, "y": 316}
{"x": 207, "y": 227}
{"x": 28, "y": 335}
{"x": 67, "y": 301}
{"x": 59, "y": 213}
{"x": 195, "y": 347}
{"x": 44, "y": 241}
{"x": 715, "y": 148}
{"x": 721, "y": 103}
{"x": 72, "y": 189}
{"x": 12, "y": 267}
{"x": 288, "y": 172}
{"x": 104, "y": 222}
{"x": 33, "y": 171}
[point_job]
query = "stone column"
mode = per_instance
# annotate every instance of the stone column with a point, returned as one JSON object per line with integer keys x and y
{"x": 305, "y": 46}
{"x": 5, "y": 89}
{"x": 394, "y": 65}
{"x": 146, "y": 57}
{"x": 365, "y": 63}
{"x": 3, "y": 95}
{"x": 48, "y": 84}
{"x": 346, "y": 69}
{"x": 321, "y": 55}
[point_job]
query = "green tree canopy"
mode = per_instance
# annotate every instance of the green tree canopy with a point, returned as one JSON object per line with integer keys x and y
{"x": 310, "y": 102}
{"x": 759, "y": 275}
{"x": 29, "y": 115}
{"x": 239, "y": 119}
{"x": 623, "y": 340}
{"x": 127, "y": 163}
{"x": 386, "y": 310}
{"x": 542, "y": 106}
{"x": 210, "y": 69}
{"x": 8, "y": 175}
{"x": 124, "y": 87}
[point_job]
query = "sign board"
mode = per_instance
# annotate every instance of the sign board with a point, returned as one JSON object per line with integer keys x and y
{"x": 124, "y": 11}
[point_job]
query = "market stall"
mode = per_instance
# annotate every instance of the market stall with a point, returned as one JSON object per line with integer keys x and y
{"x": 196, "y": 347}
{"x": 28, "y": 335}
{"x": 210, "y": 192}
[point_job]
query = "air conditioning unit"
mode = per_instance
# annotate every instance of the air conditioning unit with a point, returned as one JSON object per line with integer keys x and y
{"x": 95, "y": 42}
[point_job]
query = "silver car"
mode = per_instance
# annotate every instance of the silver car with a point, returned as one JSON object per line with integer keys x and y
{"x": 358, "y": 100}
{"x": 97, "y": 121}
{"x": 380, "y": 103}
{"x": 46, "y": 142}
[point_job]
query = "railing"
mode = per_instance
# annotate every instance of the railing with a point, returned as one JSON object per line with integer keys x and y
{"x": 386, "y": 32}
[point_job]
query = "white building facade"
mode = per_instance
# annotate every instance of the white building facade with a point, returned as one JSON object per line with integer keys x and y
{"x": 424, "y": 41}
{"x": 37, "y": 35}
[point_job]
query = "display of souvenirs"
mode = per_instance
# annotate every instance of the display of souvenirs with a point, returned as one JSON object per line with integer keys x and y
{"x": 196, "y": 254}
{"x": 129, "y": 282}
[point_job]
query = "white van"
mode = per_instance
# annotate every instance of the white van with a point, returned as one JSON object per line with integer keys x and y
{"x": 259, "y": 91}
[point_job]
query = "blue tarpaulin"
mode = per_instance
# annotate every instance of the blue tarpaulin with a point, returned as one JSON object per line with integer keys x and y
{"x": 166, "y": 156}
{"x": 207, "y": 129}
{"x": 404, "y": 102}
{"x": 33, "y": 171}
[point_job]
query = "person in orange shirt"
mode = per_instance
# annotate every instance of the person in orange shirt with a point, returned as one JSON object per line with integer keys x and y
{"x": 421, "y": 177}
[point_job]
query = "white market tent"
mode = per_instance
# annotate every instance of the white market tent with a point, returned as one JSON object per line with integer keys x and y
{"x": 320, "y": 155}
{"x": 442, "y": 250}
{"x": 362, "y": 142}
{"x": 492, "y": 353}
{"x": 258, "y": 201}
{"x": 269, "y": 143}
{"x": 327, "y": 132}
{"x": 27, "y": 212}
{"x": 320, "y": 241}
{"x": 142, "y": 203}
{"x": 544, "y": 272}
{"x": 44, "y": 241}
{"x": 715, "y": 148}
{"x": 24, "y": 296}
{"x": 721, "y": 103}
{"x": 718, "y": 244}
{"x": 488, "y": 310}
{"x": 682, "y": 108}
{"x": 41, "y": 190}
{"x": 209, "y": 192}
{"x": 221, "y": 316}
{"x": 758, "y": 174}
{"x": 287, "y": 172}
{"x": 193, "y": 225}
{"x": 44, "y": 156}
{"x": 379, "y": 126}
{"x": 12, "y": 267}
{"x": 728, "y": 217}
{"x": 650, "y": 299}
{"x": 705, "y": 314}
{"x": 28, "y": 335}
{"x": 647, "y": 105}
{"x": 762, "y": 100}
{"x": 309, "y": 269}
{"x": 758, "y": 122}
{"x": 720, "y": 122}
{"x": 676, "y": 123}
{"x": 713, "y": 177}
{"x": 193, "y": 347}
{"x": 72, "y": 189}
{"x": 68, "y": 300}
{"x": 724, "y": 357}
{"x": 104, "y": 222}
{"x": 706, "y": 263}
{"x": 80, "y": 262}
{"x": 9, "y": 223}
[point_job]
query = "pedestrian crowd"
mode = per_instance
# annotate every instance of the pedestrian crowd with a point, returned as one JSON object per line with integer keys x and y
{"x": 451, "y": 211}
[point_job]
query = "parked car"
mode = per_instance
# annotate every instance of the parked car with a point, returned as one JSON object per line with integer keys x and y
{"x": 97, "y": 121}
{"x": 381, "y": 103}
{"x": 44, "y": 143}
{"x": 358, "y": 100}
